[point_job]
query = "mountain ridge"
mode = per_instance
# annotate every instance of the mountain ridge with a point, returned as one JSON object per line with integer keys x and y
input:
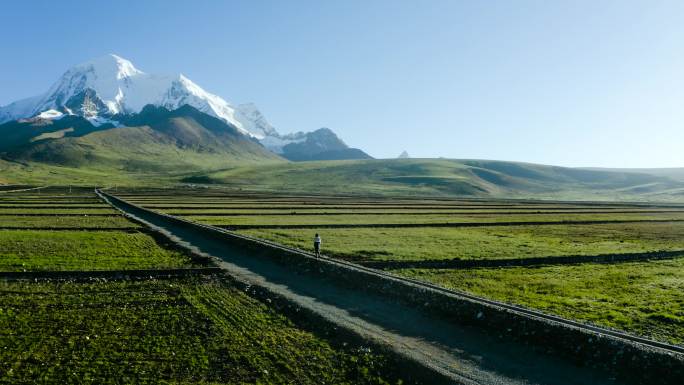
{"x": 109, "y": 86}
{"x": 154, "y": 139}
{"x": 321, "y": 144}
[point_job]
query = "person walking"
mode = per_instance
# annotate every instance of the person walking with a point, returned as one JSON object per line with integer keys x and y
{"x": 317, "y": 245}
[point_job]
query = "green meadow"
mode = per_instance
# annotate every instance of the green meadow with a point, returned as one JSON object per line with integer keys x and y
{"x": 498, "y": 242}
{"x": 644, "y": 298}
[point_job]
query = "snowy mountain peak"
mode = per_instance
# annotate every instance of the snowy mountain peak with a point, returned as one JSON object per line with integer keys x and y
{"x": 111, "y": 64}
{"x": 110, "y": 77}
{"x": 190, "y": 85}
{"x": 104, "y": 87}
{"x": 114, "y": 85}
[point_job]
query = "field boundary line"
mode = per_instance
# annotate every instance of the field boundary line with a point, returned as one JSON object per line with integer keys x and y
{"x": 295, "y": 214}
{"x": 242, "y": 193}
{"x": 229, "y": 206}
{"x": 22, "y": 190}
{"x": 50, "y": 207}
{"x": 108, "y": 274}
{"x": 113, "y": 214}
{"x": 48, "y": 228}
{"x": 439, "y": 224}
{"x": 532, "y": 261}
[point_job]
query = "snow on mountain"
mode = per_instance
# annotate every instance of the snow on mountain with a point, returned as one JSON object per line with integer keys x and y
{"x": 109, "y": 85}
{"x": 50, "y": 114}
{"x": 20, "y": 109}
{"x": 254, "y": 121}
{"x": 119, "y": 87}
{"x": 276, "y": 142}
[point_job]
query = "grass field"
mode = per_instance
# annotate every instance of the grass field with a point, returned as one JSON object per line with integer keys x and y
{"x": 29, "y": 250}
{"x": 642, "y": 298}
{"x": 178, "y": 331}
{"x": 75, "y": 222}
{"x": 434, "y": 243}
{"x": 377, "y": 177}
{"x": 192, "y": 330}
{"x": 32, "y": 246}
{"x": 307, "y": 220}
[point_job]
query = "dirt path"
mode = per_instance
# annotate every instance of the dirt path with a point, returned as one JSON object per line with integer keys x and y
{"x": 466, "y": 355}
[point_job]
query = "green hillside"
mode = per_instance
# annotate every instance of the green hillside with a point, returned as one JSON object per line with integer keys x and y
{"x": 445, "y": 177}
{"x": 161, "y": 142}
{"x": 186, "y": 146}
{"x": 400, "y": 177}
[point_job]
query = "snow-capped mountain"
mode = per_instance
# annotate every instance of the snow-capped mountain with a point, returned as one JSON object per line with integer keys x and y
{"x": 106, "y": 89}
{"x": 101, "y": 88}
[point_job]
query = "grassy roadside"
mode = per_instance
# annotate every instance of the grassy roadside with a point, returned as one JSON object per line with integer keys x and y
{"x": 645, "y": 298}
{"x": 426, "y": 243}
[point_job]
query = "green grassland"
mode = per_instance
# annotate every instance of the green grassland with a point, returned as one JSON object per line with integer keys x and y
{"x": 152, "y": 145}
{"x": 156, "y": 165}
{"x": 433, "y": 243}
{"x": 422, "y": 219}
{"x": 55, "y": 211}
{"x": 30, "y": 250}
{"x": 174, "y": 331}
{"x": 444, "y": 177}
{"x": 184, "y": 331}
{"x": 643, "y": 298}
{"x": 75, "y": 222}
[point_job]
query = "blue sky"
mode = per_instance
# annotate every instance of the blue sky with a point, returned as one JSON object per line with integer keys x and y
{"x": 574, "y": 83}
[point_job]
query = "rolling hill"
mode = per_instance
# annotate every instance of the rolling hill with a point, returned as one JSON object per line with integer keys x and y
{"x": 167, "y": 164}
{"x": 447, "y": 177}
{"x": 167, "y": 147}
{"x": 155, "y": 140}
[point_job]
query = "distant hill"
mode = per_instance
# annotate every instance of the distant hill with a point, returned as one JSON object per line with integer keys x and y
{"x": 676, "y": 173}
{"x": 321, "y": 144}
{"x": 446, "y": 177}
{"x": 98, "y": 158}
{"x": 154, "y": 140}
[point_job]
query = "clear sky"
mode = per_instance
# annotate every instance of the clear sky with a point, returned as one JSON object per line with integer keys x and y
{"x": 574, "y": 83}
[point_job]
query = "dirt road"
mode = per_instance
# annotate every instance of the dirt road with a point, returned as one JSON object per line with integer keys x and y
{"x": 466, "y": 355}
